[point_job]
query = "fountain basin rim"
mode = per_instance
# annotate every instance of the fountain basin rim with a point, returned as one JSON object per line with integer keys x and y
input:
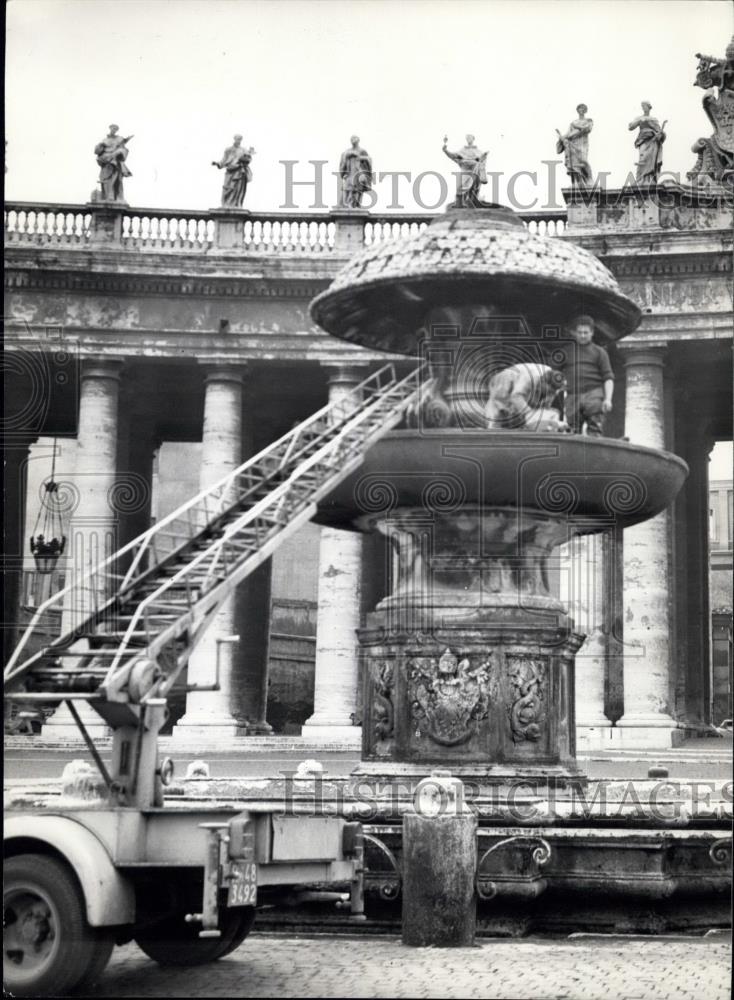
{"x": 596, "y": 482}
{"x": 414, "y": 296}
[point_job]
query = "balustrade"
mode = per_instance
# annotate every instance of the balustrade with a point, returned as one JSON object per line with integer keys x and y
{"x": 386, "y": 227}
{"x": 273, "y": 234}
{"x": 32, "y": 222}
{"x": 141, "y": 230}
{"x": 145, "y": 229}
{"x": 546, "y": 224}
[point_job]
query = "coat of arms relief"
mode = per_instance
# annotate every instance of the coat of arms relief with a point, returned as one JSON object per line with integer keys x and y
{"x": 449, "y": 696}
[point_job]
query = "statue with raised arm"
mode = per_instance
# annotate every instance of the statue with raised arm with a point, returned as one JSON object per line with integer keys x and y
{"x": 715, "y": 155}
{"x": 355, "y": 171}
{"x": 237, "y": 174}
{"x": 575, "y": 147}
{"x": 649, "y": 144}
{"x": 472, "y": 173}
{"x": 111, "y": 154}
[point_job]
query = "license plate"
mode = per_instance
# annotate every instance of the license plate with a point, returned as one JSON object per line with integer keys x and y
{"x": 242, "y": 883}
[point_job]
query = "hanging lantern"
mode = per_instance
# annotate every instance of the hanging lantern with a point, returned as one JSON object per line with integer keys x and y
{"x": 48, "y": 544}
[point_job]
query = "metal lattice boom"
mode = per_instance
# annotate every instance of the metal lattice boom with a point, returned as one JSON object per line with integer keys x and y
{"x": 127, "y": 634}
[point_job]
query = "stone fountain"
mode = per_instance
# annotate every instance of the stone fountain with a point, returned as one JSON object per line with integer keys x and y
{"x": 469, "y": 660}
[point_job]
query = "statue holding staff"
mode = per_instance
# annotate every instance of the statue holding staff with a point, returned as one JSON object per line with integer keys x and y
{"x": 575, "y": 147}
{"x": 355, "y": 171}
{"x": 111, "y": 154}
{"x": 237, "y": 174}
{"x": 649, "y": 142}
{"x": 472, "y": 173}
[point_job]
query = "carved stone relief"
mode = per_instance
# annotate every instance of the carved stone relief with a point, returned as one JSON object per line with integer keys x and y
{"x": 448, "y": 696}
{"x": 383, "y": 709}
{"x": 529, "y": 695}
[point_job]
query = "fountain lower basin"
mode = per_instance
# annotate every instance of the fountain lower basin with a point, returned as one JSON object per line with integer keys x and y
{"x": 595, "y": 483}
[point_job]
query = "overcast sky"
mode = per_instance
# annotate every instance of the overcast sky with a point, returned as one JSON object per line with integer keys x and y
{"x": 298, "y": 78}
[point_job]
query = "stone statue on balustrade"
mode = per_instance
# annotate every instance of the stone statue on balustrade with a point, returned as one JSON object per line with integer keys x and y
{"x": 111, "y": 154}
{"x": 237, "y": 174}
{"x": 575, "y": 147}
{"x": 355, "y": 171}
{"x": 715, "y": 162}
{"x": 649, "y": 145}
{"x": 471, "y": 175}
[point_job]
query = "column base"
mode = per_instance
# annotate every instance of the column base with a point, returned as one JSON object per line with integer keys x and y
{"x": 646, "y": 733}
{"x": 594, "y": 736}
{"x": 192, "y": 730}
{"x": 325, "y": 734}
{"x": 61, "y": 725}
{"x": 261, "y": 728}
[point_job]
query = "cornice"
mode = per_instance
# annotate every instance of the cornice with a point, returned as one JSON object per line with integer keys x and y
{"x": 207, "y": 286}
{"x": 23, "y": 276}
{"x": 206, "y": 346}
{"x": 679, "y": 265}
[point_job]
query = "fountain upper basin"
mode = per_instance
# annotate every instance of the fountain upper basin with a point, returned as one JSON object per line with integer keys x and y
{"x": 599, "y": 482}
{"x": 385, "y": 296}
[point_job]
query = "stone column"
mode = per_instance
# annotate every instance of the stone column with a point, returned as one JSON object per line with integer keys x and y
{"x": 697, "y": 677}
{"x": 592, "y": 725}
{"x": 338, "y": 615}
{"x": 138, "y": 443}
{"x": 208, "y": 713}
{"x": 250, "y": 684}
{"x": 647, "y": 642}
{"x": 249, "y": 695}
{"x": 93, "y": 530}
{"x": 586, "y": 605}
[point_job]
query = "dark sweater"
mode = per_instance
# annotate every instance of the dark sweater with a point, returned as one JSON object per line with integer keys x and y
{"x": 586, "y": 367}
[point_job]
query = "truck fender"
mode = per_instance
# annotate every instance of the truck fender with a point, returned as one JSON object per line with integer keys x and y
{"x": 108, "y": 896}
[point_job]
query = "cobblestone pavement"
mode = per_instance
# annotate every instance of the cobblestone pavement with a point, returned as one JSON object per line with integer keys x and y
{"x": 577, "y": 968}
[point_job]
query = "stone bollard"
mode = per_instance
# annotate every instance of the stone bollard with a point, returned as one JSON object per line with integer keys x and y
{"x": 439, "y": 865}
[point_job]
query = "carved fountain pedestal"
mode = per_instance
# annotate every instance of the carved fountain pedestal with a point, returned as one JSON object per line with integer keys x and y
{"x": 469, "y": 662}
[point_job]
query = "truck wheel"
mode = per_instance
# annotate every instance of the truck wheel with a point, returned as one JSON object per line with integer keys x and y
{"x": 48, "y": 945}
{"x": 174, "y": 942}
{"x": 246, "y": 918}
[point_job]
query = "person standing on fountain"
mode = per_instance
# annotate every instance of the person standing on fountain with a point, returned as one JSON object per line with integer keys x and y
{"x": 589, "y": 379}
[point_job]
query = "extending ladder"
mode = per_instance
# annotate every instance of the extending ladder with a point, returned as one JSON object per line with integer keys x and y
{"x": 136, "y": 629}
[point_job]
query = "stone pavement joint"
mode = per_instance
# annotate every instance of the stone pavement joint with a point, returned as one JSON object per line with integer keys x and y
{"x": 603, "y": 968}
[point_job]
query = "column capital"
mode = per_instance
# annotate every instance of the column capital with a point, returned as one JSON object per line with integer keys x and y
{"x": 224, "y": 373}
{"x": 643, "y": 354}
{"x": 102, "y": 368}
{"x": 344, "y": 375}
